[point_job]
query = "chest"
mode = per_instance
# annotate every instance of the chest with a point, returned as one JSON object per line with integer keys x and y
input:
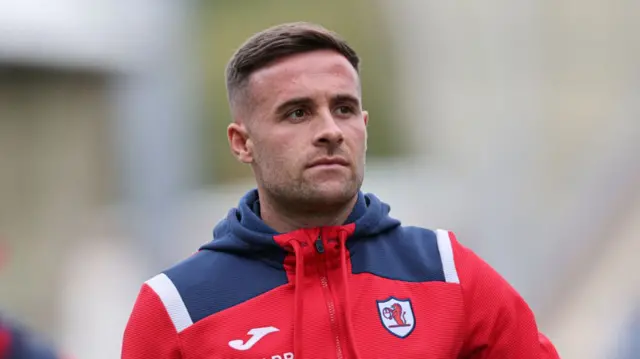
{"x": 370, "y": 317}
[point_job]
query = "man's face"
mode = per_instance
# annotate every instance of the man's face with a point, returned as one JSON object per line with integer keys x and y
{"x": 305, "y": 133}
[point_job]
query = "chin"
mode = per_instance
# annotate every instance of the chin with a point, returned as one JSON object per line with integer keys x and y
{"x": 335, "y": 191}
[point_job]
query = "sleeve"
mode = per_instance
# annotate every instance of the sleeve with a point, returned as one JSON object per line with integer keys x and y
{"x": 150, "y": 331}
{"x": 500, "y": 324}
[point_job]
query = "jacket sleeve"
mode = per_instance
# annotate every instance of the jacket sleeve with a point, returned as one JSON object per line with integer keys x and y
{"x": 150, "y": 332}
{"x": 500, "y": 324}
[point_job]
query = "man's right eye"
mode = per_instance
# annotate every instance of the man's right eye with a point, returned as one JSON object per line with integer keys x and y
{"x": 297, "y": 115}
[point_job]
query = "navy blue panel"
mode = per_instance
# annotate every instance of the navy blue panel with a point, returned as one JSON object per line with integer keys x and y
{"x": 210, "y": 282}
{"x": 408, "y": 254}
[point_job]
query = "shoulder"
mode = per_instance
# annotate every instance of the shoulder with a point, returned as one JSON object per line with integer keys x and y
{"x": 209, "y": 282}
{"x": 412, "y": 254}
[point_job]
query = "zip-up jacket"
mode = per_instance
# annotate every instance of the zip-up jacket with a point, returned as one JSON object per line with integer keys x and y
{"x": 371, "y": 288}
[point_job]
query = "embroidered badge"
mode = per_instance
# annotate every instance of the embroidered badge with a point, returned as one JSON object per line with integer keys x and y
{"x": 397, "y": 316}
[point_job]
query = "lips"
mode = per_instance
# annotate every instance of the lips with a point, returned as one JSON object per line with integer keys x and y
{"x": 328, "y": 161}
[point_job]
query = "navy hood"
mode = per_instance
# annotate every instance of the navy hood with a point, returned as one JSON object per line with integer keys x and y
{"x": 244, "y": 232}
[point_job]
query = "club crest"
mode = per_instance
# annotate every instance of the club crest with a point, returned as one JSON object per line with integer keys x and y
{"x": 397, "y": 316}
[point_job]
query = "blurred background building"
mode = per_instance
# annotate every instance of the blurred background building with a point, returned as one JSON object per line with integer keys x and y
{"x": 515, "y": 124}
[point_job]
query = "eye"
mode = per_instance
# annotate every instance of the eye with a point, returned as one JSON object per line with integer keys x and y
{"x": 344, "y": 110}
{"x": 297, "y": 114}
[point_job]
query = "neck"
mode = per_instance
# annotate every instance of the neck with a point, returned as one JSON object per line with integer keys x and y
{"x": 288, "y": 218}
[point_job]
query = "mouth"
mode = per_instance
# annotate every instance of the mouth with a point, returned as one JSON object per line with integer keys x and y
{"x": 329, "y": 161}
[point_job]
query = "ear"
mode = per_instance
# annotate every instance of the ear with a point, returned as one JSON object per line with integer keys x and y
{"x": 365, "y": 115}
{"x": 239, "y": 142}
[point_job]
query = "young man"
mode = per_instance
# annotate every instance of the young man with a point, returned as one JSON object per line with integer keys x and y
{"x": 307, "y": 266}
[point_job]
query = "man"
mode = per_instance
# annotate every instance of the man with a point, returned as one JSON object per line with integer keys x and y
{"x": 307, "y": 266}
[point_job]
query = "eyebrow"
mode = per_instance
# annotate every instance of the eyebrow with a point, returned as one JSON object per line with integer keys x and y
{"x": 308, "y": 102}
{"x": 341, "y": 98}
{"x": 294, "y": 102}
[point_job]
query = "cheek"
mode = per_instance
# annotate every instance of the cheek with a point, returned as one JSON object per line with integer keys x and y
{"x": 275, "y": 154}
{"x": 358, "y": 135}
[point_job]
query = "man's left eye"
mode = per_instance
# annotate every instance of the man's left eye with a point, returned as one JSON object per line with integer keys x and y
{"x": 343, "y": 110}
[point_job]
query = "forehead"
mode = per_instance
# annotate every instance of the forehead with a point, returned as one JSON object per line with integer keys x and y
{"x": 305, "y": 75}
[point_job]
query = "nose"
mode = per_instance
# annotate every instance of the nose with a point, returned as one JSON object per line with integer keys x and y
{"x": 328, "y": 132}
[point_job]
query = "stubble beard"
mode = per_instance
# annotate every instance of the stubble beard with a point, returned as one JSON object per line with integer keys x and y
{"x": 304, "y": 197}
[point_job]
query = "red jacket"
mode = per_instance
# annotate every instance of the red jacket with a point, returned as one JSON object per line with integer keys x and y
{"x": 369, "y": 289}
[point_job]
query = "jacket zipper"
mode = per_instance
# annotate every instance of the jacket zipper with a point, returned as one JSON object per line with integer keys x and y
{"x": 324, "y": 283}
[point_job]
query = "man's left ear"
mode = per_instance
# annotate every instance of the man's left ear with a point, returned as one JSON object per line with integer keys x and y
{"x": 366, "y": 117}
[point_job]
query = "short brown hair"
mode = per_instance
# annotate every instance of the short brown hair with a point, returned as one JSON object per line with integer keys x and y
{"x": 278, "y": 42}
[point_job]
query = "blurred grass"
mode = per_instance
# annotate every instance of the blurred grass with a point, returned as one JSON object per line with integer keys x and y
{"x": 225, "y": 24}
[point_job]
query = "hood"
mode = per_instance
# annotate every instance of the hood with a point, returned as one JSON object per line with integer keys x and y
{"x": 243, "y": 231}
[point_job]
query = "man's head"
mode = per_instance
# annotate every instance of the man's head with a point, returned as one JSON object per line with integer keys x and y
{"x": 294, "y": 93}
